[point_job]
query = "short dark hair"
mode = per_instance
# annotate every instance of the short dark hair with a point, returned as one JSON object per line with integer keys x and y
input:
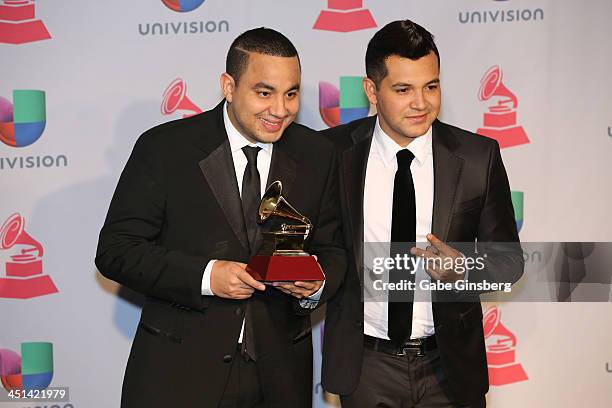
{"x": 403, "y": 38}
{"x": 260, "y": 40}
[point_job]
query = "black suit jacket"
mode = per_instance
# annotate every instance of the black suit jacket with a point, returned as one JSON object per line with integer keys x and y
{"x": 471, "y": 201}
{"x": 176, "y": 207}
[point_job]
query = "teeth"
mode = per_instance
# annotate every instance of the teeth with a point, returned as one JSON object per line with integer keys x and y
{"x": 271, "y": 123}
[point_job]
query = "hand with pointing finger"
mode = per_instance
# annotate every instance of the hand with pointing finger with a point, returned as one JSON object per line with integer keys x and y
{"x": 439, "y": 259}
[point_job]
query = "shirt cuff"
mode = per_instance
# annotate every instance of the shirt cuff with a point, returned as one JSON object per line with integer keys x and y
{"x": 313, "y": 300}
{"x": 206, "y": 290}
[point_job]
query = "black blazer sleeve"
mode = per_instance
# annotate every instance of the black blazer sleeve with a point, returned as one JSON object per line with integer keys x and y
{"x": 327, "y": 242}
{"x": 497, "y": 234}
{"x": 127, "y": 250}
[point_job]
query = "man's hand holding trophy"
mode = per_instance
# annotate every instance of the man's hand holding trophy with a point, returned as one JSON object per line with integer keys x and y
{"x": 282, "y": 261}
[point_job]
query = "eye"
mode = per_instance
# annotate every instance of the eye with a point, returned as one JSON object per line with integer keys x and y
{"x": 432, "y": 87}
{"x": 292, "y": 94}
{"x": 263, "y": 94}
{"x": 401, "y": 90}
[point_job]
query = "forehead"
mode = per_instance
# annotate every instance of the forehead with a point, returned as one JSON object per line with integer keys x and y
{"x": 272, "y": 69}
{"x": 407, "y": 70}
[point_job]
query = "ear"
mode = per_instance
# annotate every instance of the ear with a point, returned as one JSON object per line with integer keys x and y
{"x": 370, "y": 90}
{"x": 228, "y": 85}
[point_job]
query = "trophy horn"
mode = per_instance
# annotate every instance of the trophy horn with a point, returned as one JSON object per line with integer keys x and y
{"x": 273, "y": 203}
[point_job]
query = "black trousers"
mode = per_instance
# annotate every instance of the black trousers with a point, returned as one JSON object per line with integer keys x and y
{"x": 408, "y": 381}
{"x": 243, "y": 389}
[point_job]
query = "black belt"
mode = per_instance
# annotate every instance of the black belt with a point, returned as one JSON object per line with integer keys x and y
{"x": 420, "y": 346}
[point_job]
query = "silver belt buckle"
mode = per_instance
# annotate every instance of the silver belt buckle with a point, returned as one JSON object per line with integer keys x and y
{"x": 418, "y": 345}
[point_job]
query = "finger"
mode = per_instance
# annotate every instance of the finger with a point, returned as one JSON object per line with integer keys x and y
{"x": 439, "y": 245}
{"x": 249, "y": 280}
{"x": 242, "y": 265}
{"x": 433, "y": 273}
{"x": 288, "y": 286}
{"x": 422, "y": 253}
{"x": 238, "y": 294}
{"x": 241, "y": 297}
{"x": 305, "y": 285}
{"x": 444, "y": 248}
{"x": 433, "y": 249}
{"x": 303, "y": 293}
{"x": 242, "y": 291}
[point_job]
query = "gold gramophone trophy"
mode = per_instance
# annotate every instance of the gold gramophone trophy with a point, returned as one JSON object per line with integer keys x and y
{"x": 282, "y": 256}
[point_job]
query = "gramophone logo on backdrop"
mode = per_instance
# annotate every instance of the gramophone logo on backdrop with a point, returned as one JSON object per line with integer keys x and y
{"x": 23, "y": 276}
{"x": 339, "y": 106}
{"x": 183, "y": 6}
{"x": 175, "y": 99}
{"x": 344, "y": 16}
{"x": 501, "y": 351}
{"x": 23, "y": 121}
{"x": 500, "y": 121}
{"x": 33, "y": 370}
{"x": 18, "y": 24}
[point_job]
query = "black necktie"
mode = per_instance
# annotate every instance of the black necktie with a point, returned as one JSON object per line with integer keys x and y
{"x": 251, "y": 196}
{"x": 403, "y": 229}
{"x": 251, "y": 193}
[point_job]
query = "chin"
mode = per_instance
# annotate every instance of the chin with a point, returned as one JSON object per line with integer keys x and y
{"x": 269, "y": 137}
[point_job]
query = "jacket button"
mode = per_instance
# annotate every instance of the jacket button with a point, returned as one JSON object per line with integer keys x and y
{"x": 359, "y": 324}
{"x": 227, "y": 358}
{"x": 238, "y": 311}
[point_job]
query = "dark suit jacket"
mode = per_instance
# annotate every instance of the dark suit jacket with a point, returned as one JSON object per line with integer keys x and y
{"x": 471, "y": 201}
{"x": 176, "y": 207}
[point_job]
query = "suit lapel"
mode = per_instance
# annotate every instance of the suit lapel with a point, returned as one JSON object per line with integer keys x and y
{"x": 447, "y": 173}
{"x": 282, "y": 168}
{"x": 354, "y": 164}
{"x": 218, "y": 170}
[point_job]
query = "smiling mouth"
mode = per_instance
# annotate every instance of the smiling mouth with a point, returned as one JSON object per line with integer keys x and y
{"x": 418, "y": 118}
{"x": 271, "y": 126}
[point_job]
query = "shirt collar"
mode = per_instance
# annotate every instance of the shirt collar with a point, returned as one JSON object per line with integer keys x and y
{"x": 237, "y": 141}
{"x": 387, "y": 148}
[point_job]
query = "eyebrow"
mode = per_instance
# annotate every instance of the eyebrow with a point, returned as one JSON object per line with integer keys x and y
{"x": 259, "y": 85}
{"x": 400, "y": 84}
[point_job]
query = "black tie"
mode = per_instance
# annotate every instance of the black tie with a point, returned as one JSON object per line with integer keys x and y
{"x": 251, "y": 193}
{"x": 403, "y": 229}
{"x": 251, "y": 196}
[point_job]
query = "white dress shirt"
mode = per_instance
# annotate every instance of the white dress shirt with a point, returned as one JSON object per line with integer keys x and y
{"x": 264, "y": 158}
{"x": 378, "y": 210}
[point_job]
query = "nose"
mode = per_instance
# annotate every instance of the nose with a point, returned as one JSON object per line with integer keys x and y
{"x": 418, "y": 102}
{"x": 279, "y": 107}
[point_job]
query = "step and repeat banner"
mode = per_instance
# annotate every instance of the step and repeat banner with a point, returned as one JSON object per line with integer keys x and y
{"x": 81, "y": 80}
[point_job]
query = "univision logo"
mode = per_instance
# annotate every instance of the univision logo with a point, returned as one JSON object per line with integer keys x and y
{"x": 33, "y": 370}
{"x": 517, "y": 204}
{"x": 22, "y": 123}
{"x": 182, "y": 6}
{"x": 183, "y": 27}
{"x": 345, "y": 104}
{"x": 502, "y": 14}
